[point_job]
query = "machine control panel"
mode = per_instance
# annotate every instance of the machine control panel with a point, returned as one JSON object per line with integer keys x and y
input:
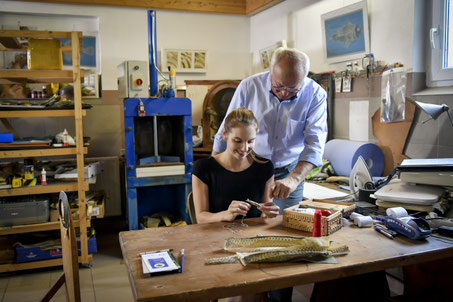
{"x": 133, "y": 79}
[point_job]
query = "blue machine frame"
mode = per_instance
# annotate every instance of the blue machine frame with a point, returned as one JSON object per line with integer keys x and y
{"x": 147, "y": 195}
{"x": 162, "y": 197}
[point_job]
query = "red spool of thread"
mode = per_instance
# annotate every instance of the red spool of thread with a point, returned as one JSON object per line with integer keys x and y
{"x": 317, "y": 224}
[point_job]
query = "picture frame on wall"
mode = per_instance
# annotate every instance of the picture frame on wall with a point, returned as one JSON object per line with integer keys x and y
{"x": 266, "y": 53}
{"x": 345, "y": 33}
{"x": 184, "y": 60}
{"x": 88, "y": 56}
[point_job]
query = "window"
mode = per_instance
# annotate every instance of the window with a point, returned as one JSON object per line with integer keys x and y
{"x": 440, "y": 69}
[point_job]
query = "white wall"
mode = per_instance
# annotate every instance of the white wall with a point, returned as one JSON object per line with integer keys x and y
{"x": 123, "y": 34}
{"x": 231, "y": 40}
{"x": 390, "y": 26}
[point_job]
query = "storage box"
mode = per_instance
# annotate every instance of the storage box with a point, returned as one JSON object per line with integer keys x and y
{"x": 28, "y": 254}
{"x": 304, "y": 221}
{"x": 6, "y": 138}
{"x": 44, "y": 54}
{"x": 91, "y": 170}
{"x": 24, "y": 210}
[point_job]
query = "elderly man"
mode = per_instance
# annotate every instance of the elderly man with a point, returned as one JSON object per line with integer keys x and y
{"x": 291, "y": 110}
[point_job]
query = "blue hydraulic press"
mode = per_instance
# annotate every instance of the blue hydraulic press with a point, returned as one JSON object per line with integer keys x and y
{"x": 159, "y": 156}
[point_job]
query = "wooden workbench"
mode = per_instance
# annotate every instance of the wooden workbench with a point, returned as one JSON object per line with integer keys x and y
{"x": 369, "y": 252}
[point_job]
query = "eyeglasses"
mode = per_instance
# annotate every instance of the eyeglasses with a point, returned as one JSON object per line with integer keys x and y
{"x": 287, "y": 89}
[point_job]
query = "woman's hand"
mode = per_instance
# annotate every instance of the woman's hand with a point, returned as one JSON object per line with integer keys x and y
{"x": 235, "y": 209}
{"x": 269, "y": 209}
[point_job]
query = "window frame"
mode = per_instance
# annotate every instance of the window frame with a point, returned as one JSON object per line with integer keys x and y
{"x": 437, "y": 76}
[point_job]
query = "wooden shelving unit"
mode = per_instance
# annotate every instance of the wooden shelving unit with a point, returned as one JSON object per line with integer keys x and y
{"x": 49, "y": 76}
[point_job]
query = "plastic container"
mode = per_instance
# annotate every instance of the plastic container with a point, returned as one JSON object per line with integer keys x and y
{"x": 173, "y": 79}
{"x": 44, "y": 54}
{"x": 65, "y": 138}
{"x": 43, "y": 177}
{"x": 6, "y": 137}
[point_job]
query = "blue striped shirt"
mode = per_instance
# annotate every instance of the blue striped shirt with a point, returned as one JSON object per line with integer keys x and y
{"x": 288, "y": 130}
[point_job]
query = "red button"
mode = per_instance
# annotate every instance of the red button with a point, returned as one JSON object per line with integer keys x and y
{"x": 139, "y": 82}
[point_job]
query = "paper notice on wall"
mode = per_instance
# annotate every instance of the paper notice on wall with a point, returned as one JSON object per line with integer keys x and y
{"x": 197, "y": 93}
{"x": 358, "y": 120}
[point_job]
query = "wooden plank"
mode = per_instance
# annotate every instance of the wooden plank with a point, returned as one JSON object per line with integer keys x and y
{"x": 10, "y": 42}
{"x": 206, "y": 82}
{"x": 38, "y": 113}
{"x": 79, "y": 138}
{"x": 23, "y": 48}
{"x": 12, "y": 267}
{"x": 369, "y": 252}
{"x": 392, "y": 137}
{"x": 252, "y": 7}
{"x": 235, "y": 7}
{"x": 9, "y": 76}
{"x": 37, "y": 33}
{"x": 52, "y": 188}
{"x": 40, "y": 152}
{"x": 37, "y": 227}
{"x": 54, "y": 289}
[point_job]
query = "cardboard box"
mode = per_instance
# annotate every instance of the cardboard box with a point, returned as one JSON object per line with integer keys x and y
{"x": 30, "y": 254}
{"x": 91, "y": 170}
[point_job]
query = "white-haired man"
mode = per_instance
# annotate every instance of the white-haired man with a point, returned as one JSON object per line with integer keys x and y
{"x": 291, "y": 110}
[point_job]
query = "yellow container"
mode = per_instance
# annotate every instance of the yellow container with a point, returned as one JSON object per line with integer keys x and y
{"x": 44, "y": 54}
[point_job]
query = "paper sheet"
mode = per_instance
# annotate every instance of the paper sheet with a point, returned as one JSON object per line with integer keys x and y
{"x": 359, "y": 119}
{"x": 319, "y": 192}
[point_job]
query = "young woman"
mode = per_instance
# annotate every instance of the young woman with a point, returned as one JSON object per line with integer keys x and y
{"x": 222, "y": 183}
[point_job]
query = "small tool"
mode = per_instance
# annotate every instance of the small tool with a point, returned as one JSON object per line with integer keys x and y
{"x": 383, "y": 232}
{"x": 182, "y": 259}
{"x": 253, "y": 203}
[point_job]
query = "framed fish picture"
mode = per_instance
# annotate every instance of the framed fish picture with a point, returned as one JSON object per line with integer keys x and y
{"x": 345, "y": 33}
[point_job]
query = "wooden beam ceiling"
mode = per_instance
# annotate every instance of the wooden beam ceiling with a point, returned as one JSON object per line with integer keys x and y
{"x": 234, "y": 7}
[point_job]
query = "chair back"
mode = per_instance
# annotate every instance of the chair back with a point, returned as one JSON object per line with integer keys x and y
{"x": 70, "y": 275}
{"x": 191, "y": 208}
{"x": 69, "y": 249}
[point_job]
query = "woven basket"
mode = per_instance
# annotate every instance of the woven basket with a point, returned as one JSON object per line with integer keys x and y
{"x": 304, "y": 222}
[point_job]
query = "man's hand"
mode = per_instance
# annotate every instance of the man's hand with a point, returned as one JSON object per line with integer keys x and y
{"x": 283, "y": 187}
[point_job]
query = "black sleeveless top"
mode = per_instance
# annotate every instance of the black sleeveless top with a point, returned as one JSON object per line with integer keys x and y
{"x": 226, "y": 186}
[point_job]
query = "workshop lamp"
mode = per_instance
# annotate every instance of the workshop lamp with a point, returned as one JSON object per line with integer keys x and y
{"x": 433, "y": 110}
